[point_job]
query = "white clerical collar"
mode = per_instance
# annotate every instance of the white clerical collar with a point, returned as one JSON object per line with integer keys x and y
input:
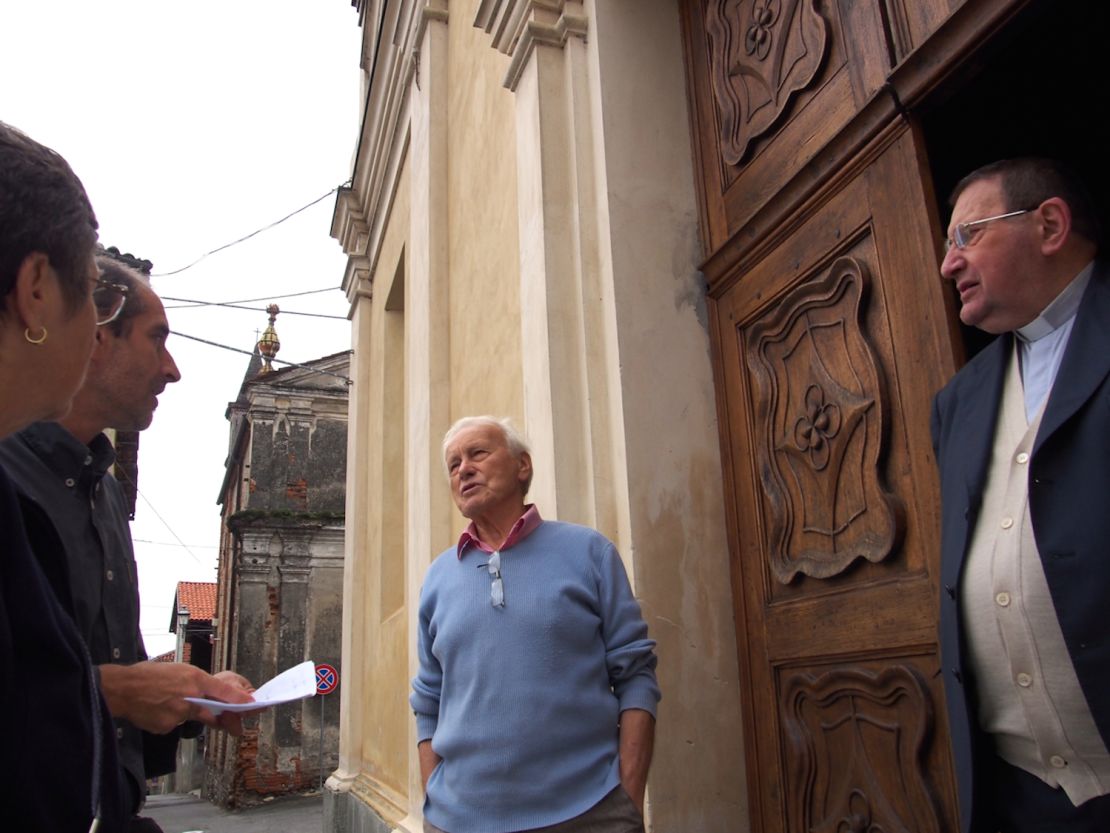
{"x": 1062, "y": 309}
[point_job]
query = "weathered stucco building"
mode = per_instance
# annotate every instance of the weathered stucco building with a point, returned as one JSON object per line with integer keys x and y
{"x": 692, "y": 248}
{"x": 281, "y": 570}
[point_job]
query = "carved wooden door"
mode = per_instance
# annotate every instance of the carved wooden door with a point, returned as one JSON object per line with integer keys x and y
{"x": 831, "y": 333}
{"x": 829, "y": 356}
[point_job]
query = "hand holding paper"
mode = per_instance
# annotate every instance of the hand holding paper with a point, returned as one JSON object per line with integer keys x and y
{"x": 299, "y": 681}
{"x": 152, "y": 695}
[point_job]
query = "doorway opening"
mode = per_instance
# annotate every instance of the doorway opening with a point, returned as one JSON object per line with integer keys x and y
{"x": 1037, "y": 89}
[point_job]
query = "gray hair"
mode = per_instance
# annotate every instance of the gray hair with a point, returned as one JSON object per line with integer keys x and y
{"x": 514, "y": 440}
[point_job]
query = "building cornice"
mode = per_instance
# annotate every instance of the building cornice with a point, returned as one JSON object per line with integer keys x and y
{"x": 519, "y": 26}
{"x": 363, "y": 209}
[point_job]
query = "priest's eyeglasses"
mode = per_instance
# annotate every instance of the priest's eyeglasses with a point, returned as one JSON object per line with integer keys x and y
{"x": 965, "y": 234}
{"x": 109, "y": 298}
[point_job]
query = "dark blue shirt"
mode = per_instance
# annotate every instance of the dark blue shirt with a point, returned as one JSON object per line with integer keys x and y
{"x": 58, "y": 758}
{"x": 68, "y": 496}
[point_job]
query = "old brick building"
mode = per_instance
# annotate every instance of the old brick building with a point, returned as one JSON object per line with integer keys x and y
{"x": 280, "y": 569}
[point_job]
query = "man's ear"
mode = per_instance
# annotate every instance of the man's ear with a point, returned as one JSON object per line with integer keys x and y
{"x": 1054, "y": 225}
{"x": 525, "y": 472}
{"x": 30, "y": 296}
{"x": 102, "y": 345}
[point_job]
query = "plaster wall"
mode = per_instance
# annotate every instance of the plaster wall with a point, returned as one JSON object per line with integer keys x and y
{"x": 356, "y": 545}
{"x": 678, "y": 549}
{"x": 485, "y": 333}
{"x": 376, "y": 652}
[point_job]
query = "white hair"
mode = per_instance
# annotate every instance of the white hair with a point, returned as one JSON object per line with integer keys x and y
{"x": 514, "y": 440}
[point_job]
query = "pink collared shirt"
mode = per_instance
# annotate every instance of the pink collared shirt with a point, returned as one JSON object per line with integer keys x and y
{"x": 525, "y": 525}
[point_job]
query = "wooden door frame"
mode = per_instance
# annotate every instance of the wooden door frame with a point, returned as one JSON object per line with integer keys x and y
{"x": 731, "y": 253}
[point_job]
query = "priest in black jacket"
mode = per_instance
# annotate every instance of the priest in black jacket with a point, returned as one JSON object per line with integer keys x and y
{"x": 1022, "y": 438}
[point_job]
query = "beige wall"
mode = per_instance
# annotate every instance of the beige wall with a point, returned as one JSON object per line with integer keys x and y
{"x": 374, "y": 739}
{"x": 670, "y": 430}
{"x": 485, "y": 333}
{"x": 384, "y": 652}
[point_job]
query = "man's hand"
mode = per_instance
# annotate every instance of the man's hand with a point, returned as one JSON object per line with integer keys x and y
{"x": 637, "y": 741}
{"x": 152, "y": 695}
{"x": 429, "y": 760}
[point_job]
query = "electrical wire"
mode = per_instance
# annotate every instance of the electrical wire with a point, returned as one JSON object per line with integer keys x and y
{"x": 172, "y": 544}
{"x": 247, "y": 237}
{"x": 346, "y": 379}
{"x": 206, "y": 304}
{"x": 165, "y": 523}
{"x": 188, "y": 302}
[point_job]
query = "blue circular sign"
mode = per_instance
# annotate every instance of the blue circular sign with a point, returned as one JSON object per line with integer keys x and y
{"x": 327, "y": 678}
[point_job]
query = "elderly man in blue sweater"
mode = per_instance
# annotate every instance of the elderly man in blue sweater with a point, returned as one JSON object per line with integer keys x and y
{"x": 535, "y": 699}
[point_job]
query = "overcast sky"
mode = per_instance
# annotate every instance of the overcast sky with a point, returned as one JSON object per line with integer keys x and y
{"x": 192, "y": 125}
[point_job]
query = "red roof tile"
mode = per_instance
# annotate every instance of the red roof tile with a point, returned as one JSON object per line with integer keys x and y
{"x": 199, "y": 597}
{"x": 168, "y": 656}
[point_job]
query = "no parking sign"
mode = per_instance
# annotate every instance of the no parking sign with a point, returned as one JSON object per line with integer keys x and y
{"x": 327, "y": 681}
{"x": 327, "y": 678}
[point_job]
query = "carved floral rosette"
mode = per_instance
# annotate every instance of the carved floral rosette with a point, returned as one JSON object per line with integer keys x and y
{"x": 761, "y": 54}
{"x": 820, "y": 429}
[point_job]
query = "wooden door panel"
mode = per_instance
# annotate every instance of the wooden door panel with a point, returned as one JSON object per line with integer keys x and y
{"x": 804, "y": 109}
{"x": 820, "y": 412}
{"x": 776, "y": 81}
{"x": 857, "y": 740}
{"x": 828, "y": 359}
{"x": 817, "y": 627}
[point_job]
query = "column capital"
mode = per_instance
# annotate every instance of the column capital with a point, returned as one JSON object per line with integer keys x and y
{"x": 294, "y": 574}
{"x": 519, "y": 26}
{"x": 254, "y": 571}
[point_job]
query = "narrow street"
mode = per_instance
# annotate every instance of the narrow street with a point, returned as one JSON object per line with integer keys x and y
{"x": 186, "y": 813}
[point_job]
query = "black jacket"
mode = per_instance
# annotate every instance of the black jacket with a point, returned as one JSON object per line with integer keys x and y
{"x": 58, "y": 755}
{"x": 1069, "y": 502}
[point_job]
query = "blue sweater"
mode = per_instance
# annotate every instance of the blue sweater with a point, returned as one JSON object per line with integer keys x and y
{"x": 522, "y": 702}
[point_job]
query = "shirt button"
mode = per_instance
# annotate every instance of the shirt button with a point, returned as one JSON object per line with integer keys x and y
{"x": 1007, "y": 523}
{"x": 115, "y": 653}
{"x": 1024, "y": 680}
{"x": 70, "y": 481}
{"x": 112, "y": 575}
{"x": 88, "y": 459}
{"x": 1057, "y": 762}
{"x": 1002, "y": 598}
{"x": 1023, "y": 458}
{"x": 119, "y": 733}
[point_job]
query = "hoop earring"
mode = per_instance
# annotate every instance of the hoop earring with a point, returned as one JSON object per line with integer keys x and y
{"x": 39, "y": 340}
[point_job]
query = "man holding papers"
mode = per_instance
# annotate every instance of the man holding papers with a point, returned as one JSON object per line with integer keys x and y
{"x": 77, "y": 521}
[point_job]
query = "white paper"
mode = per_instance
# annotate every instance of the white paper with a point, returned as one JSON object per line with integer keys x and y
{"x": 299, "y": 681}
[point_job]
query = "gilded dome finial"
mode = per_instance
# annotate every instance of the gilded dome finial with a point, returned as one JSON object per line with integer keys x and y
{"x": 269, "y": 344}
